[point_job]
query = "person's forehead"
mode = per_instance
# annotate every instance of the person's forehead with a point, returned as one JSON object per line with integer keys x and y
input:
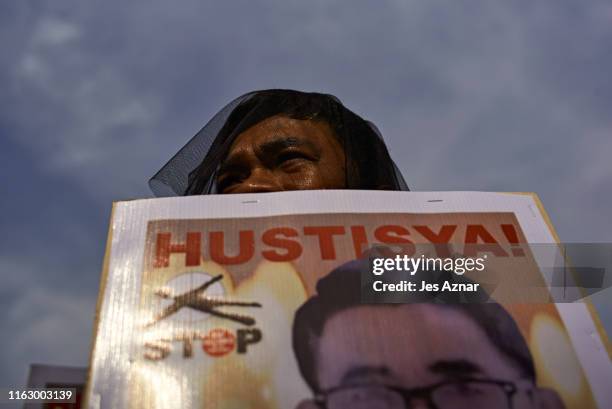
{"x": 282, "y": 126}
{"x": 408, "y": 340}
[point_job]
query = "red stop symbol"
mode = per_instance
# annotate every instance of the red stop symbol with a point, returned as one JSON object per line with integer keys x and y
{"x": 218, "y": 342}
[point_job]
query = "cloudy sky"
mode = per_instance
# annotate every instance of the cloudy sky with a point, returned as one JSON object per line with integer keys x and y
{"x": 96, "y": 96}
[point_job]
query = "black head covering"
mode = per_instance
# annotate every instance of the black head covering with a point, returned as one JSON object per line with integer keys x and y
{"x": 193, "y": 169}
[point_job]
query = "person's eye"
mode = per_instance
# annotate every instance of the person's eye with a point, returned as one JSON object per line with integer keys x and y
{"x": 470, "y": 388}
{"x": 291, "y": 158}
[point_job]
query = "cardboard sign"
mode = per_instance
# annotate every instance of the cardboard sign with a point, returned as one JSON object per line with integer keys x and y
{"x": 199, "y": 295}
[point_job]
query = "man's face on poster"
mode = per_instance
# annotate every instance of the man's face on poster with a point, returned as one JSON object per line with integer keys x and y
{"x": 281, "y": 153}
{"x": 415, "y": 356}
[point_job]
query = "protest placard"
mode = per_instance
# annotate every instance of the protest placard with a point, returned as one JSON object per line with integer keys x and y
{"x": 199, "y": 294}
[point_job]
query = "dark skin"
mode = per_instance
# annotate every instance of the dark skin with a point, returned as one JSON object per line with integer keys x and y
{"x": 281, "y": 154}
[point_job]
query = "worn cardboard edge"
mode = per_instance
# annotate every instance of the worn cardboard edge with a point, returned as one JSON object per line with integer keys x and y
{"x": 100, "y": 300}
{"x": 603, "y": 335}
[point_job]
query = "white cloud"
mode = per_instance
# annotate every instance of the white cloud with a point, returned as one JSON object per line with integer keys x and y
{"x": 54, "y": 32}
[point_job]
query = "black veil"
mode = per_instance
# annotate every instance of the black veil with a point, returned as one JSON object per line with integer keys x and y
{"x": 192, "y": 170}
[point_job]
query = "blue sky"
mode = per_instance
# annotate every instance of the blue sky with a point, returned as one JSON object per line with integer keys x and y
{"x": 96, "y": 96}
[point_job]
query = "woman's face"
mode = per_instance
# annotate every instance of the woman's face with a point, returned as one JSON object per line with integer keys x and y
{"x": 281, "y": 153}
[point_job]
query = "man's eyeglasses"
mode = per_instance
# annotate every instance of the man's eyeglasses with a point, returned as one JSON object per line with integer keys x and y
{"x": 452, "y": 394}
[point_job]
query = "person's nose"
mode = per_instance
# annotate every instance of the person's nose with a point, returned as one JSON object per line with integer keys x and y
{"x": 259, "y": 181}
